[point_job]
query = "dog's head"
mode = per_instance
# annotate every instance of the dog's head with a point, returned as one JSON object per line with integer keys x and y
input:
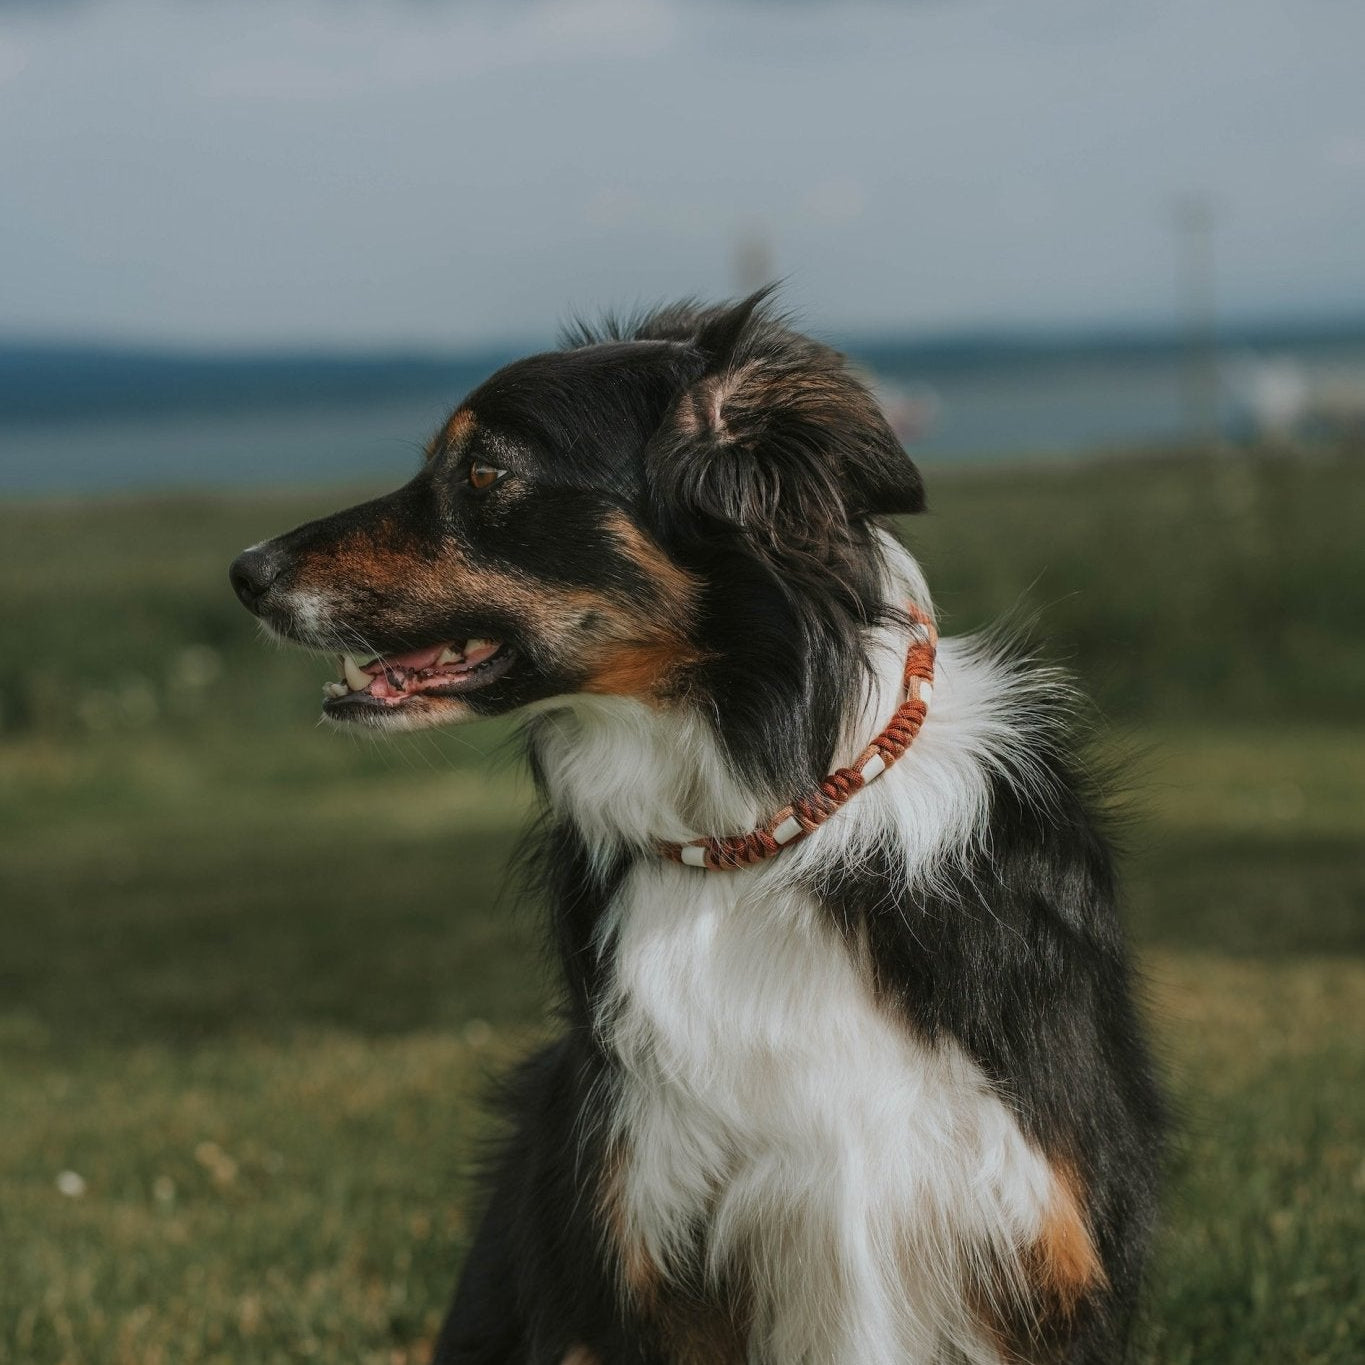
{"x": 641, "y": 513}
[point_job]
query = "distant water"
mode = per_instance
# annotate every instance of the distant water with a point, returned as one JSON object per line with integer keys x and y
{"x": 380, "y": 440}
{"x": 159, "y": 432}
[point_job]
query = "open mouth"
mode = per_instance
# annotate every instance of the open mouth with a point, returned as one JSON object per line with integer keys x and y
{"x": 444, "y": 670}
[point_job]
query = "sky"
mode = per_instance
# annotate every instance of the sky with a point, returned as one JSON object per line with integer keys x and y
{"x": 343, "y": 173}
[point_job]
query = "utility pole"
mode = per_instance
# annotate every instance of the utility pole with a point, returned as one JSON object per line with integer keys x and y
{"x": 1197, "y": 289}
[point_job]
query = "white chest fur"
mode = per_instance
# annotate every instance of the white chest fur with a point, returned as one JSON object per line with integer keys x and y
{"x": 853, "y": 1172}
{"x": 773, "y": 1116}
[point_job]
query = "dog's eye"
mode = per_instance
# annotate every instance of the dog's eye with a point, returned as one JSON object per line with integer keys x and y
{"x": 482, "y": 476}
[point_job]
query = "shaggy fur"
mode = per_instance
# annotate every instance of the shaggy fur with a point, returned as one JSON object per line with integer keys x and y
{"x": 879, "y": 1099}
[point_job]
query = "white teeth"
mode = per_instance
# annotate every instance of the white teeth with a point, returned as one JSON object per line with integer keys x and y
{"x": 335, "y": 689}
{"x": 358, "y": 681}
{"x": 470, "y": 646}
{"x": 449, "y": 656}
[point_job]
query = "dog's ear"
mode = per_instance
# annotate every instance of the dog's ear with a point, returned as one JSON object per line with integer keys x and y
{"x": 776, "y": 439}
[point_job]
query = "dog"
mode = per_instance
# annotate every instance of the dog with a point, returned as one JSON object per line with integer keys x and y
{"x": 849, "y": 1070}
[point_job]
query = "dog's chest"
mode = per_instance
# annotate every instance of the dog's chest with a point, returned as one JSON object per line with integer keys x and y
{"x": 779, "y": 1124}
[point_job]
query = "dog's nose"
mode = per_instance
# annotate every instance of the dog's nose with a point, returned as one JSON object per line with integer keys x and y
{"x": 252, "y": 573}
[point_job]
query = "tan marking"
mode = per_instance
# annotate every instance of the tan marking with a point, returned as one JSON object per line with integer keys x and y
{"x": 675, "y": 585}
{"x": 650, "y": 650}
{"x": 580, "y": 1355}
{"x": 454, "y": 436}
{"x": 639, "y": 1274}
{"x": 361, "y": 557}
{"x": 375, "y": 559}
{"x": 1062, "y": 1264}
{"x": 645, "y": 670}
{"x": 1028, "y": 1310}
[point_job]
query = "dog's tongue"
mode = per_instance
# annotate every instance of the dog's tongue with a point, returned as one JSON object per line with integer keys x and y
{"x": 414, "y": 660}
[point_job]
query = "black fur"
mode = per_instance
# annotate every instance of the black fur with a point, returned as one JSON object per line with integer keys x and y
{"x": 1016, "y": 953}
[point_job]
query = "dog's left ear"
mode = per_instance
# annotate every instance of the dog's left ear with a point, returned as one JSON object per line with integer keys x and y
{"x": 776, "y": 438}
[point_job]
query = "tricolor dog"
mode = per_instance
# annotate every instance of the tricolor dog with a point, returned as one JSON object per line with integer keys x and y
{"x": 849, "y": 1071}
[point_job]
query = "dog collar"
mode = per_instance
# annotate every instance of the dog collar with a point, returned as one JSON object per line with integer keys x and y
{"x": 792, "y": 823}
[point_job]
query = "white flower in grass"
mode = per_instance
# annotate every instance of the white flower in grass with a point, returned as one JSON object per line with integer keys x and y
{"x": 71, "y": 1184}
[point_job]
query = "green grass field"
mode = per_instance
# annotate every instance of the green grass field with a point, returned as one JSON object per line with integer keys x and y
{"x": 253, "y": 974}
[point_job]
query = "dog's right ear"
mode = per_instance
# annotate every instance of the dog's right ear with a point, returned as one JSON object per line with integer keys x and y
{"x": 775, "y": 441}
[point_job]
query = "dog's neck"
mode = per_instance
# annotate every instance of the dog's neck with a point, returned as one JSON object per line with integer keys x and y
{"x": 629, "y": 774}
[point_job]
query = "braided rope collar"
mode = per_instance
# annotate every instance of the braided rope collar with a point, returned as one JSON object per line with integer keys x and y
{"x": 792, "y": 823}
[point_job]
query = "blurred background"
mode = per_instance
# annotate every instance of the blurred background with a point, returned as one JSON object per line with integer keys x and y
{"x": 1103, "y": 263}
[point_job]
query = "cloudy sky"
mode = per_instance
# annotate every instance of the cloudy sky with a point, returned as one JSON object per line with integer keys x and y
{"x": 413, "y": 171}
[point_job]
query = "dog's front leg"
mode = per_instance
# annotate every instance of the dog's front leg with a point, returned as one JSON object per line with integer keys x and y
{"x": 484, "y": 1325}
{"x": 539, "y": 1287}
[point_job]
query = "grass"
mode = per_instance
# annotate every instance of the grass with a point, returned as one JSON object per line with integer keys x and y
{"x": 254, "y": 1200}
{"x": 253, "y": 976}
{"x": 1259, "y": 1258}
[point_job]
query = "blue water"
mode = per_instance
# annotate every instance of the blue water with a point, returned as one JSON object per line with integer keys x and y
{"x": 294, "y": 447}
{"x": 163, "y": 432}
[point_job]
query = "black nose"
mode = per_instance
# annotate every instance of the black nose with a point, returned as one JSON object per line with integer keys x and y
{"x": 252, "y": 573}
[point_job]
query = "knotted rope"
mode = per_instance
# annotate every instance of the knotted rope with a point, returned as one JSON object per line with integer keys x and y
{"x": 792, "y": 823}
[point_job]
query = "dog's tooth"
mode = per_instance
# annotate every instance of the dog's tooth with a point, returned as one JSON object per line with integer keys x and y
{"x": 358, "y": 681}
{"x": 334, "y": 689}
{"x": 470, "y": 646}
{"x": 449, "y": 656}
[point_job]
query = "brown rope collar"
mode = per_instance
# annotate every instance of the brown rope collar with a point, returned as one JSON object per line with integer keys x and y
{"x": 792, "y": 823}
